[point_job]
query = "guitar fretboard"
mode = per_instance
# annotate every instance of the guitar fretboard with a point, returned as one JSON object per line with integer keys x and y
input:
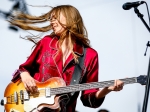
{"x": 86, "y": 86}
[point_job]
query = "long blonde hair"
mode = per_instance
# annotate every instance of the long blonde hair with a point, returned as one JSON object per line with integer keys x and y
{"x": 75, "y": 30}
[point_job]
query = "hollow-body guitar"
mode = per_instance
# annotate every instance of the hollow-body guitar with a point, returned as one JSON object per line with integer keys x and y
{"x": 51, "y": 93}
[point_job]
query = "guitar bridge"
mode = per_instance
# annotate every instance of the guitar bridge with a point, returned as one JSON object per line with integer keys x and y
{"x": 15, "y": 97}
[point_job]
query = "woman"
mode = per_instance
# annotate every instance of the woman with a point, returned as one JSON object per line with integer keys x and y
{"x": 56, "y": 55}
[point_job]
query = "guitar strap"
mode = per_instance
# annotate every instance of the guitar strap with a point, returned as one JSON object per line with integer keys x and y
{"x": 78, "y": 70}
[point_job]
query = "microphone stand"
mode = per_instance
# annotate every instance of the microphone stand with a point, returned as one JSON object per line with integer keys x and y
{"x": 148, "y": 73}
{"x": 141, "y": 17}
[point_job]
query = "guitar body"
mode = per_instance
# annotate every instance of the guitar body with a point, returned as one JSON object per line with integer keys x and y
{"x": 36, "y": 102}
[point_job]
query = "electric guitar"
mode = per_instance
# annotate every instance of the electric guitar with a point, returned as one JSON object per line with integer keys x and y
{"x": 17, "y": 99}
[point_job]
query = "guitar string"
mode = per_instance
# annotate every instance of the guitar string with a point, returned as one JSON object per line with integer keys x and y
{"x": 72, "y": 88}
{"x": 87, "y": 85}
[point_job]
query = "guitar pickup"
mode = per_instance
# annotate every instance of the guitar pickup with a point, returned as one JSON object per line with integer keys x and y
{"x": 25, "y": 95}
{"x": 21, "y": 97}
{"x": 47, "y": 92}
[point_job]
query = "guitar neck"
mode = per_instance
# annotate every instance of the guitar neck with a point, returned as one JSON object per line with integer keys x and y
{"x": 86, "y": 86}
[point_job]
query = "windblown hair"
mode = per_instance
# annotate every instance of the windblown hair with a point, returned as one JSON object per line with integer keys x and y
{"x": 75, "y": 30}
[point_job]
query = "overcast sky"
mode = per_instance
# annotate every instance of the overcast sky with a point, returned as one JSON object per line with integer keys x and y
{"x": 118, "y": 35}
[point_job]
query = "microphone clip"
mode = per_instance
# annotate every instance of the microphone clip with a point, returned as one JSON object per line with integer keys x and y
{"x": 137, "y": 12}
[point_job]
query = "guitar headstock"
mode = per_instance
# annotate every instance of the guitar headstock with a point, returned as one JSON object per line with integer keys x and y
{"x": 142, "y": 79}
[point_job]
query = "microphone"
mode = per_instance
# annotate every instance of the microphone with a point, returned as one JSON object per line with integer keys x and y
{"x": 129, "y": 5}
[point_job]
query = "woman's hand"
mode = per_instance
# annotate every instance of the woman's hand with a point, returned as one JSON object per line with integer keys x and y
{"x": 29, "y": 82}
{"x": 118, "y": 85}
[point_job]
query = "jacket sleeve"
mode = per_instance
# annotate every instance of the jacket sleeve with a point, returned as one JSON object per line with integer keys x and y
{"x": 30, "y": 65}
{"x": 91, "y": 75}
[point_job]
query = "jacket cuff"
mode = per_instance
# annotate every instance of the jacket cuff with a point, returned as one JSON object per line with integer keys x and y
{"x": 16, "y": 75}
{"x": 94, "y": 101}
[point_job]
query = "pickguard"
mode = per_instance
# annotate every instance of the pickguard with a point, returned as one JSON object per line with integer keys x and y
{"x": 34, "y": 103}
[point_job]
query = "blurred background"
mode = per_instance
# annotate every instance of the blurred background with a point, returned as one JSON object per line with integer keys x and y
{"x": 118, "y": 35}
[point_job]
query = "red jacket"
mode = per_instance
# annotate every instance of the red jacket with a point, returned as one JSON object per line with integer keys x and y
{"x": 45, "y": 62}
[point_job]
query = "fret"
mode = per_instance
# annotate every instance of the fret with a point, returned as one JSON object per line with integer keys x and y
{"x": 129, "y": 80}
{"x": 86, "y": 86}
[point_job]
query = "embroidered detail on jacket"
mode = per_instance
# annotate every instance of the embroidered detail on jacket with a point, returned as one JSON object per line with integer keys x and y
{"x": 46, "y": 65}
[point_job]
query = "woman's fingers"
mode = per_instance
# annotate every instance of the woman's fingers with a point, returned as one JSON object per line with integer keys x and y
{"x": 26, "y": 87}
{"x": 29, "y": 82}
{"x": 118, "y": 85}
{"x": 30, "y": 86}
